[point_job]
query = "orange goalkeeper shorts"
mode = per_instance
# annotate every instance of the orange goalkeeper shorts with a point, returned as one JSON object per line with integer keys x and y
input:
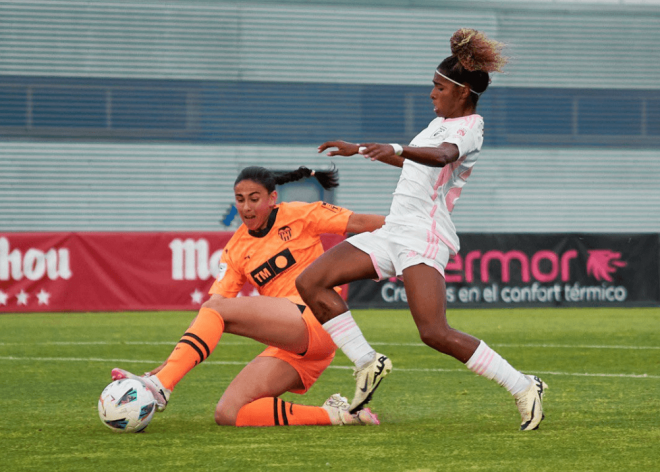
{"x": 320, "y": 351}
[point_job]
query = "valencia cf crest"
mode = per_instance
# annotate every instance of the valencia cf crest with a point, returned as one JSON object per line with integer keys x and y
{"x": 285, "y": 233}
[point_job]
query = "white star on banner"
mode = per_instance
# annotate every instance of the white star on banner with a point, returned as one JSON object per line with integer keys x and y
{"x": 197, "y": 297}
{"x": 43, "y": 297}
{"x": 22, "y": 298}
{"x": 3, "y": 298}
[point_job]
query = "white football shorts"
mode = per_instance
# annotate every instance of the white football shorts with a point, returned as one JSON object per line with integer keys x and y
{"x": 394, "y": 248}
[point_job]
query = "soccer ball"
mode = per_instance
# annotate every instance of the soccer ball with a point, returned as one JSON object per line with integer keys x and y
{"x": 126, "y": 406}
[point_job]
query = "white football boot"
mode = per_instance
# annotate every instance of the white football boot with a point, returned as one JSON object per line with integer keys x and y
{"x": 337, "y": 408}
{"x": 368, "y": 379}
{"x": 530, "y": 404}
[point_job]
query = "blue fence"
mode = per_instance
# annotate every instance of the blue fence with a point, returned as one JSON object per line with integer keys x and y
{"x": 309, "y": 113}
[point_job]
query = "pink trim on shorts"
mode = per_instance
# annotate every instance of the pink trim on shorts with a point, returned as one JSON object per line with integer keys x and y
{"x": 431, "y": 244}
{"x": 449, "y": 245}
{"x": 374, "y": 261}
{"x": 442, "y": 238}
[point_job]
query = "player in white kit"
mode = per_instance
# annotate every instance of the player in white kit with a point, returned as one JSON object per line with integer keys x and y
{"x": 418, "y": 236}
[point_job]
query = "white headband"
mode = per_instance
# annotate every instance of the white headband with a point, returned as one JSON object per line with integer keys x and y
{"x": 437, "y": 71}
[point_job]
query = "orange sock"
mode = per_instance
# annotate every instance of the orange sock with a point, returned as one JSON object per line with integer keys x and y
{"x": 271, "y": 411}
{"x": 195, "y": 346}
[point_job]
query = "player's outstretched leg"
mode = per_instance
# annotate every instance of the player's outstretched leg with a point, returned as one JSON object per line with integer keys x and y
{"x": 273, "y": 411}
{"x": 195, "y": 346}
{"x": 530, "y": 404}
{"x": 160, "y": 393}
{"x": 368, "y": 379}
{"x": 337, "y": 408}
{"x": 526, "y": 389}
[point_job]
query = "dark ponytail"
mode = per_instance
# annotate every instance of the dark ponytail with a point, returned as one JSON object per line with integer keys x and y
{"x": 327, "y": 178}
{"x": 269, "y": 179}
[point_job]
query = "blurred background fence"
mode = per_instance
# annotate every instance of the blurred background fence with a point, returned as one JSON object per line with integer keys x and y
{"x": 137, "y": 116}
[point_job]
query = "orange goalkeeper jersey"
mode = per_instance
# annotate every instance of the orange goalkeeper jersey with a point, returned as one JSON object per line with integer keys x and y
{"x": 271, "y": 262}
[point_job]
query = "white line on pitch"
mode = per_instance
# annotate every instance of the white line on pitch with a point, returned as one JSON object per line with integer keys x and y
{"x": 144, "y": 361}
{"x": 551, "y": 346}
{"x": 577, "y": 346}
{"x": 231, "y": 343}
{"x": 97, "y": 359}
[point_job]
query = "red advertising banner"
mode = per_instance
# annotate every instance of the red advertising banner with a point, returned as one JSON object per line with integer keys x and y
{"x": 42, "y": 272}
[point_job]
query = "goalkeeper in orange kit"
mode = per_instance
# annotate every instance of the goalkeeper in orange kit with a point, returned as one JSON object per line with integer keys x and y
{"x": 270, "y": 249}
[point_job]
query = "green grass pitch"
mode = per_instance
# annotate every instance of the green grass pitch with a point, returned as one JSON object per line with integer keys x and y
{"x": 602, "y": 406}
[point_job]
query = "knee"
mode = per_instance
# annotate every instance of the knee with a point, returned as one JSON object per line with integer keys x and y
{"x": 305, "y": 284}
{"x": 434, "y": 336}
{"x": 213, "y": 304}
{"x": 314, "y": 281}
{"x": 224, "y": 417}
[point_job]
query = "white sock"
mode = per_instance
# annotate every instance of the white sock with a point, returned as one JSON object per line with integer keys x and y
{"x": 347, "y": 336}
{"x": 491, "y": 365}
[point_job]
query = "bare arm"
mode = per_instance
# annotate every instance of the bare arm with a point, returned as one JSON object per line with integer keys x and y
{"x": 363, "y": 223}
{"x": 350, "y": 149}
{"x": 439, "y": 156}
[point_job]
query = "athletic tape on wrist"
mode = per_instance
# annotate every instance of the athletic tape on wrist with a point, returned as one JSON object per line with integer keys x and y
{"x": 398, "y": 149}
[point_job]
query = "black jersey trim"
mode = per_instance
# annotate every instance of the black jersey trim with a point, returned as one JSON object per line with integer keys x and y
{"x": 260, "y": 233}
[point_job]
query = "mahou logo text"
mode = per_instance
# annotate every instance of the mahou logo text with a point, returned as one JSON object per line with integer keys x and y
{"x": 35, "y": 264}
{"x": 191, "y": 260}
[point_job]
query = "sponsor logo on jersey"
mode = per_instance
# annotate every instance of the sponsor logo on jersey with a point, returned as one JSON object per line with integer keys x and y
{"x": 272, "y": 267}
{"x": 330, "y": 207}
{"x": 439, "y": 131}
{"x": 285, "y": 233}
{"x": 223, "y": 270}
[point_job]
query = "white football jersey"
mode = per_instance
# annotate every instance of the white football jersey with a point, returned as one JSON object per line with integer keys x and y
{"x": 425, "y": 196}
